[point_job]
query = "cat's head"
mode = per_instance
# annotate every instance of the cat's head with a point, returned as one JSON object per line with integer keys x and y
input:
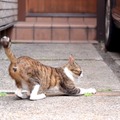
{"x": 72, "y": 69}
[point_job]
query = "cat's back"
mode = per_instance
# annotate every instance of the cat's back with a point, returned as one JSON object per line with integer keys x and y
{"x": 27, "y": 61}
{"x": 24, "y": 62}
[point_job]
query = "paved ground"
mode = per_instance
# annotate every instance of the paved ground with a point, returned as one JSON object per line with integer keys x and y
{"x": 97, "y": 73}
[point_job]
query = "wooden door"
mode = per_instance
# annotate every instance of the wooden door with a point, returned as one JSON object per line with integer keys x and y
{"x": 61, "y": 6}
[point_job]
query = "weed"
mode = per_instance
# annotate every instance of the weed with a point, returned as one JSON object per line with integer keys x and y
{"x": 88, "y": 94}
{"x": 2, "y": 94}
{"x": 105, "y": 90}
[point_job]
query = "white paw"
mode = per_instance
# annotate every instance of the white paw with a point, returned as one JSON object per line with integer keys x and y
{"x": 37, "y": 97}
{"x": 92, "y": 90}
{"x": 22, "y": 96}
{"x": 18, "y": 94}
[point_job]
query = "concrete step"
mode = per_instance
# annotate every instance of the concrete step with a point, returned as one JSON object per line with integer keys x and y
{"x": 61, "y": 30}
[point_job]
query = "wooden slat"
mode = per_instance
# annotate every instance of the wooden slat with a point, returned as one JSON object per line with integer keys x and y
{"x": 41, "y": 7}
{"x": 33, "y": 6}
{"x": 118, "y": 3}
{"x": 61, "y": 6}
{"x": 91, "y": 6}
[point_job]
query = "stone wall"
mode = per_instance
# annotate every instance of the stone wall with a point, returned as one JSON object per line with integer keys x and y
{"x": 8, "y": 12}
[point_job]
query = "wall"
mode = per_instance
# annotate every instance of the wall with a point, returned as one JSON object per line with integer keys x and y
{"x": 8, "y": 12}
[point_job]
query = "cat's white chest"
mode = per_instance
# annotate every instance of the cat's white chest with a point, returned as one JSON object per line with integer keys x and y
{"x": 68, "y": 73}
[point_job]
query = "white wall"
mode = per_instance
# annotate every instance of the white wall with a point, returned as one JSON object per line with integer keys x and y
{"x": 8, "y": 11}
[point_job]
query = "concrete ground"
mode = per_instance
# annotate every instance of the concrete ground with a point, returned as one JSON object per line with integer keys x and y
{"x": 116, "y": 57}
{"x": 105, "y": 105}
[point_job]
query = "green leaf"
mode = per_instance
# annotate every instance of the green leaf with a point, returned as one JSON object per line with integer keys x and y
{"x": 88, "y": 94}
{"x": 2, "y": 94}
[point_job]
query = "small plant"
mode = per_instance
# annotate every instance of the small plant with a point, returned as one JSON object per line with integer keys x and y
{"x": 88, "y": 94}
{"x": 2, "y": 94}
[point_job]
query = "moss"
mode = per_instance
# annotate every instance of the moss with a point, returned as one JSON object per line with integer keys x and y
{"x": 2, "y": 94}
{"x": 88, "y": 94}
{"x": 105, "y": 90}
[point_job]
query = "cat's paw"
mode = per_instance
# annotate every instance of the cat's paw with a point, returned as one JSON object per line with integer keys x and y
{"x": 37, "y": 97}
{"x": 91, "y": 90}
{"x": 22, "y": 95}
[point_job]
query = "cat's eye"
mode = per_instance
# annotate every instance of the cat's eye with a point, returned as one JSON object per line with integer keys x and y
{"x": 77, "y": 72}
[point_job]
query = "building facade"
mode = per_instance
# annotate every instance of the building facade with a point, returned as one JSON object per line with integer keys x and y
{"x": 50, "y": 20}
{"x": 8, "y": 14}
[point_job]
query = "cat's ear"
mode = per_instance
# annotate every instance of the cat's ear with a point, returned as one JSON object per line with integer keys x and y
{"x": 71, "y": 59}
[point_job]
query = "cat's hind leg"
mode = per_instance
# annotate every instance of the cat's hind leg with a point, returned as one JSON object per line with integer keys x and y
{"x": 18, "y": 92}
{"x": 34, "y": 93}
{"x": 21, "y": 95}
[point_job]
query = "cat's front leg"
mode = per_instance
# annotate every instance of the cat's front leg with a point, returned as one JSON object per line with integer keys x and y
{"x": 90, "y": 90}
{"x": 21, "y": 95}
{"x": 34, "y": 94}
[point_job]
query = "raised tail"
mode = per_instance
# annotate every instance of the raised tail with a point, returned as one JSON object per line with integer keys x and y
{"x": 6, "y": 43}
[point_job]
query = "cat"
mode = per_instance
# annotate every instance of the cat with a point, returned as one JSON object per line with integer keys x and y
{"x": 33, "y": 76}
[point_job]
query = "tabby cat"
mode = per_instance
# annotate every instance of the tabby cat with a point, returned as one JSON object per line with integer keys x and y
{"x": 33, "y": 76}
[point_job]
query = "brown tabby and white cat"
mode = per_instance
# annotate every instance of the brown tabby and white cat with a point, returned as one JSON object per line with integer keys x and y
{"x": 33, "y": 76}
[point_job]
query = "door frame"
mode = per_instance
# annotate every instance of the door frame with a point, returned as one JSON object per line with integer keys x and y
{"x": 100, "y": 20}
{"x": 21, "y": 10}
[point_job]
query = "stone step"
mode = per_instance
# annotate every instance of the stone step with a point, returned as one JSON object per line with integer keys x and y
{"x": 55, "y": 30}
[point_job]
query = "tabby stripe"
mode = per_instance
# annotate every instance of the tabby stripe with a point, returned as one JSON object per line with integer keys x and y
{"x": 51, "y": 72}
{"x": 50, "y": 79}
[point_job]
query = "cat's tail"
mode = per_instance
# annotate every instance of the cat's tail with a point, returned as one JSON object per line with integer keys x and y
{"x": 6, "y": 43}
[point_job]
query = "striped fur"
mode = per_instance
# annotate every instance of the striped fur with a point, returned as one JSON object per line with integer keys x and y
{"x": 28, "y": 72}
